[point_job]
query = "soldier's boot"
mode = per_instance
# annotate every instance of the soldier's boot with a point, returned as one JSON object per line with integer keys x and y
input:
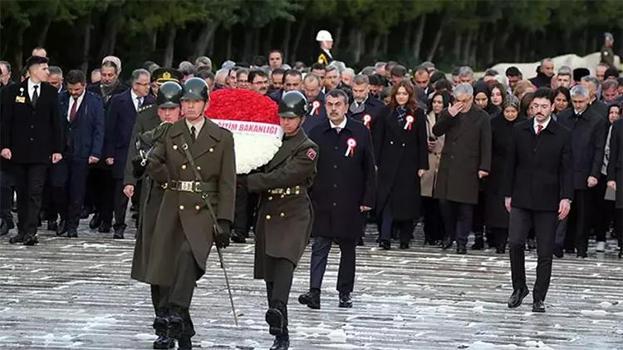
{"x": 276, "y": 318}
{"x": 175, "y": 322}
{"x": 184, "y": 342}
{"x": 479, "y": 241}
{"x": 160, "y": 326}
{"x": 282, "y": 342}
{"x": 311, "y": 298}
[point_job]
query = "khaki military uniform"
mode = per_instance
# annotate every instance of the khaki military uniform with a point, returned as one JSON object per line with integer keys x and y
{"x": 285, "y": 211}
{"x": 183, "y": 219}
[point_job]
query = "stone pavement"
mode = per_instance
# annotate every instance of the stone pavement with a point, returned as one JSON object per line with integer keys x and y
{"x": 77, "y": 294}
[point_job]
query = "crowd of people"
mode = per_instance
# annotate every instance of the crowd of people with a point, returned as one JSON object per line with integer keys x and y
{"x": 391, "y": 145}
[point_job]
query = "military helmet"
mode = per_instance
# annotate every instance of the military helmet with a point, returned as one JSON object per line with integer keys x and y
{"x": 169, "y": 95}
{"x": 195, "y": 89}
{"x": 293, "y": 104}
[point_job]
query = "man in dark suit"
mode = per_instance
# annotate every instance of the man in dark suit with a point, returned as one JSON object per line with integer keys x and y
{"x": 465, "y": 159}
{"x": 120, "y": 122}
{"x": 588, "y": 139}
{"x": 538, "y": 190}
{"x": 365, "y": 108}
{"x": 615, "y": 176}
{"x": 342, "y": 192}
{"x": 6, "y": 182}
{"x": 316, "y": 112}
{"x": 292, "y": 81}
{"x": 82, "y": 118}
{"x": 31, "y": 140}
{"x": 100, "y": 182}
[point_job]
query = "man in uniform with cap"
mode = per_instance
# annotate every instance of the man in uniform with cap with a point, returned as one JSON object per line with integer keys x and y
{"x": 325, "y": 41}
{"x": 167, "y": 112}
{"x": 284, "y": 214}
{"x": 195, "y": 165}
{"x": 31, "y": 140}
{"x": 146, "y": 119}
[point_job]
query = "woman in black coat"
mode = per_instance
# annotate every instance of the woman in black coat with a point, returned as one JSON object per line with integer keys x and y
{"x": 482, "y": 98}
{"x": 402, "y": 157}
{"x": 496, "y": 216}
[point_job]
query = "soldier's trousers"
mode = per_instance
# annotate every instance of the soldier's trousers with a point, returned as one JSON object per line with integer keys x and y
{"x": 278, "y": 273}
{"x": 159, "y": 297}
{"x": 184, "y": 283}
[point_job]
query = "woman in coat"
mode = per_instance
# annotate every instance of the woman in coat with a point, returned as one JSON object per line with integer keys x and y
{"x": 496, "y": 216}
{"x": 433, "y": 222}
{"x": 402, "y": 157}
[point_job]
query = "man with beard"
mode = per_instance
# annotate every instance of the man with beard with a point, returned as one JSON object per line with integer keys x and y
{"x": 341, "y": 197}
{"x": 538, "y": 190}
{"x": 365, "y": 108}
{"x": 544, "y": 75}
{"x": 82, "y": 119}
{"x": 316, "y": 112}
{"x": 100, "y": 182}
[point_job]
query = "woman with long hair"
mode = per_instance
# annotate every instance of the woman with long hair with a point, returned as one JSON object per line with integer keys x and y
{"x": 482, "y": 98}
{"x": 401, "y": 152}
{"x": 433, "y": 222}
{"x": 562, "y": 99}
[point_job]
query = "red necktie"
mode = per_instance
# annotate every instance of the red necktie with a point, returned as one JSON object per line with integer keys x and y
{"x": 539, "y": 128}
{"x": 74, "y": 110}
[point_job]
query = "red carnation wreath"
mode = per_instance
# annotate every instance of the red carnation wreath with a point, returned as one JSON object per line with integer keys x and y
{"x": 253, "y": 120}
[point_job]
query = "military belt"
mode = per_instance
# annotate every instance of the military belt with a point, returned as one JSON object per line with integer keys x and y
{"x": 190, "y": 186}
{"x": 288, "y": 191}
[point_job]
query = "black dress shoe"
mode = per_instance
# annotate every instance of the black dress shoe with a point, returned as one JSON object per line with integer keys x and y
{"x": 72, "y": 233}
{"x": 385, "y": 244}
{"x": 345, "y": 300}
{"x": 281, "y": 343}
{"x": 517, "y": 297}
{"x": 559, "y": 252}
{"x": 184, "y": 343}
{"x": 95, "y": 221}
{"x": 30, "y": 239}
{"x": 461, "y": 249}
{"x": 52, "y": 225}
{"x": 311, "y": 299}
{"x": 164, "y": 342}
{"x": 238, "y": 237}
{"x": 479, "y": 244}
{"x": 119, "y": 232}
{"x": 404, "y": 245}
{"x": 104, "y": 228}
{"x": 447, "y": 244}
{"x": 62, "y": 228}
{"x": 538, "y": 306}
{"x": 4, "y": 227}
{"x": 19, "y": 238}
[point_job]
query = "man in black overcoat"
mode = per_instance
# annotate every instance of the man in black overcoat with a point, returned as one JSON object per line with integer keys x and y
{"x": 342, "y": 192}
{"x": 538, "y": 189}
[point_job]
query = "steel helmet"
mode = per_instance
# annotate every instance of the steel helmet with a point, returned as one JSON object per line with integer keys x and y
{"x": 195, "y": 89}
{"x": 169, "y": 95}
{"x": 324, "y": 35}
{"x": 293, "y": 104}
